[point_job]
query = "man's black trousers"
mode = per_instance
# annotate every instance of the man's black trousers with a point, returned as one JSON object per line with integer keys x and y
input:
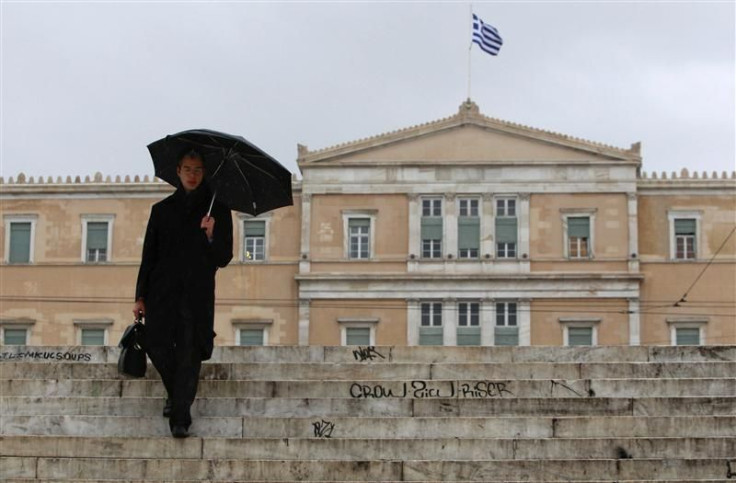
{"x": 179, "y": 364}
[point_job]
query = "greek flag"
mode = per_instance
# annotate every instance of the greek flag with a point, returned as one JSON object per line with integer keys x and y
{"x": 486, "y": 36}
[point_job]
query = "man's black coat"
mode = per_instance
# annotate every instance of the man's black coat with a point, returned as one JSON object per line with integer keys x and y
{"x": 177, "y": 273}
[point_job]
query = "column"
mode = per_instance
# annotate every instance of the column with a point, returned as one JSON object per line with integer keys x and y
{"x": 524, "y": 316}
{"x": 450, "y": 227}
{"x": 487, "y": 228}
{"x": 413, "y": 320}
{"x": 414, "y": 248}
{"x": 523, "y": 219}
{"x": 487, "y": 322}
{"x": 634, "y": 322}
{"x": 304, "y": 264}
{"x": 304, "y": 321}
{"x": 633, "y": 254}
{"x": 449, "y": 321}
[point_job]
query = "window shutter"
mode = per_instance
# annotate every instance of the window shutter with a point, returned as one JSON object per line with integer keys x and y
{"x": 93, "y": 336}
{"x": 578, "y": 227}
{"x": 356, "y": 222}
{"x": 431, "y": 228}
{"x": 15, "y": 336}
{"x": 506, "y": 335}
{"x": 431, "y": 336}
{"x": 97, "y": 235}
{"x": 20, "y": 243}
{"x": 687, "y": 336}
{"x": 468, "y": 336}
{"x": 506, "y": 230}
{"x": 251, "y": 337}
{"x": 468, "y": 233}
{"x": 685, "y": 227}
{"x": 255, "y": 228}
{"x": 580, "y": 336}
{"x": 357, "y": 336}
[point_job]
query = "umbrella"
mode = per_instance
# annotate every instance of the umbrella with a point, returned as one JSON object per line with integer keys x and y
{"x": 241, "y": 175}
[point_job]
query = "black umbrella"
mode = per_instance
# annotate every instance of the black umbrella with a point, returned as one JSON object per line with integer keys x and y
{"x": 242, "y": 176}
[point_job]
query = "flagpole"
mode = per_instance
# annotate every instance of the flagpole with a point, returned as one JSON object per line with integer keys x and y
{"x": 470, "y": 46}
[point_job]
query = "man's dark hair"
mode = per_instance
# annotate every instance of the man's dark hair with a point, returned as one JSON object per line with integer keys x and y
{"x": 191, "y": 153}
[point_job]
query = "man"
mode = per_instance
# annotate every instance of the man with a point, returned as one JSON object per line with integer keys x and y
{"x": 182, "y": 250}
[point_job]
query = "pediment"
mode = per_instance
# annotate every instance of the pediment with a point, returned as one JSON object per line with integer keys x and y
{"x": 469, "y": 138}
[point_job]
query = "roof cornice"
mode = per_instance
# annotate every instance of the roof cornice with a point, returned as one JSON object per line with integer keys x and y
{"x": 468, "y": 115}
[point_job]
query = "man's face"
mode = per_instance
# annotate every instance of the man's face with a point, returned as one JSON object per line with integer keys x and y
{"x": 191, "y": 173}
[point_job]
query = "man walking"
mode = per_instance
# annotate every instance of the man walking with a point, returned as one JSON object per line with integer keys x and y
{"x": 182, "y": 250}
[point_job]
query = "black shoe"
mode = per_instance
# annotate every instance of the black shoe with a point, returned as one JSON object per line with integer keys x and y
{"x": 168, "y": 407}
{"x": 179, "y": 431}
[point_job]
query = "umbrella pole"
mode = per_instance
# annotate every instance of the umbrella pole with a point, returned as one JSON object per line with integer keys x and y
{"x": 211, "y": 203}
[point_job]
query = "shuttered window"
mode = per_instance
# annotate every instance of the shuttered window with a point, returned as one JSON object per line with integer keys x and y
{"x": 20, "y": 242}
{"x": 358, "y": 336}
{"x": 685, "y": 235}
{"x": 359, "y": 232}
{"x": 431, "y": 228}
{"x": 97, "y": 233}
{"x": 15, "y": 336}
{"x": 579, "y": 336}
{"x": 468, "y": 323}
{"x": 578, "y": 236}
{"x": 687, "y": 336}
{"x": 431, "y": 331}
{"x": 506, "y": 228}
{"x": 468, "y": 229}
{"x": 93, "y": 336}
{"x": 251, "y": 337}
{"x": 255, "y": 240}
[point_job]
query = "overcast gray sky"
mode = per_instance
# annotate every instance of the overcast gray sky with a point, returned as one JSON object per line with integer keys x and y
{"x": 87, "y": 85}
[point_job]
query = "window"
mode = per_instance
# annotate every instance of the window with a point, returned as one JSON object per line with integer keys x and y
{"x": 687, "y": 336}
{"x": 251, "y": 332}
{"x": 468, "y": 228}
{"x": 254, "y": 243}
{"x": 685, "y": 234}
{"x": 359, "y": 233}
{"x": 431, "y": 330}
{"x": 579, "y": 336}
{"x": 578, "y": 237}
{"x": 506, "y": 228}
{"x": 358, "y": 331}
{"x": 687, "y": 331}
{"x": 468, "y": 323}
{"x": 506, "y": 331}
{"x": 432, "y": 228}
{"x": 19, "y": 230}
{"x": 580, "y": 331}
{"x": 93, "y": 336}
{"x": 251, "y": 337}
{"x": 15, "y": 336}
{"x": 96, "y": 238}
{"x": 358, "y": 336}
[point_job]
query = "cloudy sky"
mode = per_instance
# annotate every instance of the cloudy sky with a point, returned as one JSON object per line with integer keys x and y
{"x": 87, "y": 85}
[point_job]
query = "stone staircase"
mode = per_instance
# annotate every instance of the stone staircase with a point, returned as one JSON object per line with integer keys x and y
{"x": 377, "y": 414}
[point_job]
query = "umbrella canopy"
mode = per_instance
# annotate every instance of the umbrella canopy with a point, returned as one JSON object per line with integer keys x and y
{"x": 241, "y": 175}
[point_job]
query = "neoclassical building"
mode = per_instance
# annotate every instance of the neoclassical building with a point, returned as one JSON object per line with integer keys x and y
{"x": 463, "y": 231}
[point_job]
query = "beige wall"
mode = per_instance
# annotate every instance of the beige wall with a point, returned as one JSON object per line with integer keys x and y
{"x": 610, "y": 231}
{"x": 327, "y": 242}
{"x": 325, "y": 328}
{"x": 546, "y": 329}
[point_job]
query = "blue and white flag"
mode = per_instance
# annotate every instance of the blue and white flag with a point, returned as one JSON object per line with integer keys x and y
{"x": 486, "y": 36}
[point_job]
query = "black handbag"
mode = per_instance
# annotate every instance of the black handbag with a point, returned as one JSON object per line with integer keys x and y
{"x": 132, "y": 360}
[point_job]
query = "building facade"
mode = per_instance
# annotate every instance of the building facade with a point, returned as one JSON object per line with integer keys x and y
{"x": 463, "y": 231}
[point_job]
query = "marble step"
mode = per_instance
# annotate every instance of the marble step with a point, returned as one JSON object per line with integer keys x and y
{"x": 417, "y": 354}
{"x": 335, "y": 407}
{"x": 347, "y": 371}
{"x": 329, "y": 470}
{"x": 417, "y": 389}
{"x": 439, "y": 449}
{"x": 379, "y": 427}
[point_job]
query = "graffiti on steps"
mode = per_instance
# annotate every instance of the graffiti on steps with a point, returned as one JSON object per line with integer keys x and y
{"x": 323, "y": 429}
{"x": 370, "y": 353}
{"x": 46, "y": 356}
{"x": 433, "y": 389}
